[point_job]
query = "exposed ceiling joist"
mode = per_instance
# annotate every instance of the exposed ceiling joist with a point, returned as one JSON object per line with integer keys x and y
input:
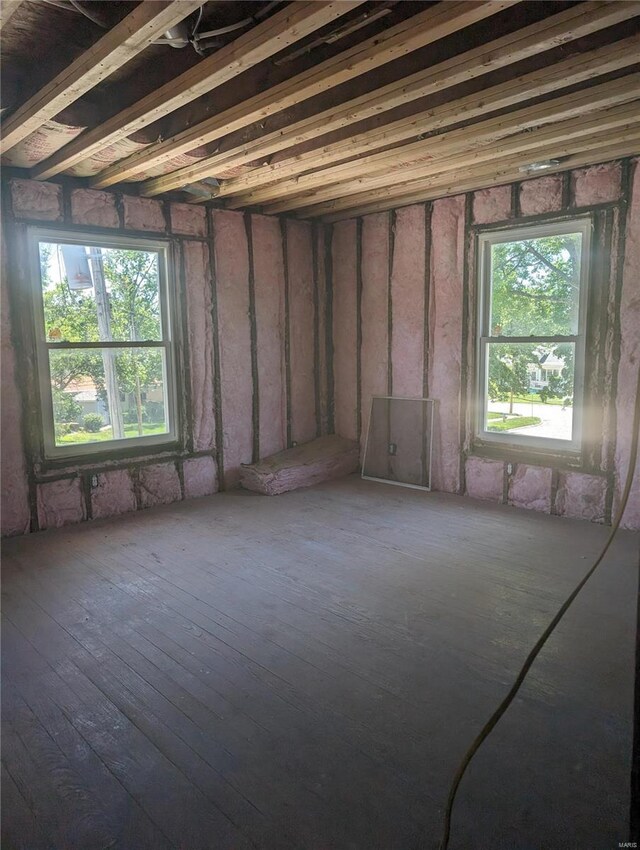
{"x": 505, "y": 172}
{"x": 619, "y": 123}
{"x": 294, "y": 22}
{"x": 566, "y": 26}
{"x": 338, "y": 178}
{"x": 133, "y": 34}
{"x": 434, "y": 23}
{"x": 7, "y": 10}
{"x": 577, "y": 69}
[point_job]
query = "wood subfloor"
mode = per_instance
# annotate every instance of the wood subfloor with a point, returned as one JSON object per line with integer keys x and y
{"x": 305, "y": 671}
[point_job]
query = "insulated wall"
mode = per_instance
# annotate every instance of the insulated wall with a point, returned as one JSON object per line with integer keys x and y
{"x": 404, "y": 323}
{"x": 252, "y": 350}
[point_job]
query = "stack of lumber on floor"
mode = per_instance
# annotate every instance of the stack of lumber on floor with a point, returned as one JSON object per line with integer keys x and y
{"x": 320, "y": 460}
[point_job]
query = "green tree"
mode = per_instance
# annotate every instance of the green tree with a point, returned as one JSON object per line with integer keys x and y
{"x": 131, "y": 279}
{"x": 70, "y": 316}
{"x": 132, "y": 283}
{"x": 509, "y": 371}
{"x": 535, "y": 292}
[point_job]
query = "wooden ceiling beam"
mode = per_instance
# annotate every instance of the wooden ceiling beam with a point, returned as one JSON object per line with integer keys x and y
{"x": 7, "y": 10}
{"x": 424, "y": 28}
{"x": 562, "y": 139}
{"x": 293, "y": 23}
{"x": 132, "y": 35}
{"x": 508, "y": 172}
{"x": 487, "y": 132}
{"x": 570, "y": 24}
{"x": 576, "y": 69}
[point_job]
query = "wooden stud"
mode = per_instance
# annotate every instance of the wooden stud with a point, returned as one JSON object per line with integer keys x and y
{"x": 292, "y": 23}
{"x": 564, "y": 137}
{"x": 7, "y": 10}
{"x": 132, "y": 35}
{"x": 316, "y": 326}
{"x": 255, "y": 374}
{"x": 217, "y": 371}
{"x": 328, "y": 271}
{"x": 564, "y": 27}
{"x": 359, "y": 328}
{"x": 287, "y": 328}
{"x": 446, "y": 182}
{"x": 480, "y": 179}
{"x": 424, "y": 28}
{"x": 551, "y": 78}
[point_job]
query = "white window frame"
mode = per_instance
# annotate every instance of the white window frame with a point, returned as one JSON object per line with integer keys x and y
{"x": 43, "y": 345}
{"x": 486, "y": 240}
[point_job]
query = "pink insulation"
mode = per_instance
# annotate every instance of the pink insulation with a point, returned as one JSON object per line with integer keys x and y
{"x": 445, "y": 338}
{"x": 269, "y": 300}
{"x": 301, "y": 331}
{"x": 200, "y": 477}
{"x": 232, "y": 286}
{"x": 188, "y": 220}
{"x": 302, "y": 466}
{"x": 159, "y": 484}
{"x": 596, "y": 184}
{"x": 143, "y": 214}
{"x": 629, "y": 357}
{"x": 117, "y": 491}
{"x": 60, "y": 503}
{"x": 41, "y": 201}
{"x": 541, "y": 195}
{"x": 581, "y": 496}
{"x": 484, "y": 478}
{"x": 407, "y": 300}
{"x": 14, "y": 492}
{"x": 344, "y": 328}
{"x": 374, "y": 312}
{"x": 91, "y": 207}
{"x": 114, "y": 494}
{"x": 200, "y": 324}
{"x": 530, "y": 487}
{"x": 491, "y": 205}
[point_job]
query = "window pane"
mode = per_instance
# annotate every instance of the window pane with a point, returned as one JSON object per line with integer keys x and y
{"x": 106, "y": 394}
{"x": 91, "y": 293}
{"x": 535, "y": 286}
{"x": 529, "y": 390}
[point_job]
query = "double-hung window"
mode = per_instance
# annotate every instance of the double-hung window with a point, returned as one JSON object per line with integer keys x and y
{"x": 531, "y": 344}
{"x": 104, "y": 338}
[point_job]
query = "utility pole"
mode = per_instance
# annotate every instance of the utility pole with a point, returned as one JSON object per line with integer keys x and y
{"x": 108, "y": 354}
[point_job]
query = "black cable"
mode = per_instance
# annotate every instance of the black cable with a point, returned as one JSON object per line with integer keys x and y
{"x": 76, "y": 5}
{"x": 531, "y": 657}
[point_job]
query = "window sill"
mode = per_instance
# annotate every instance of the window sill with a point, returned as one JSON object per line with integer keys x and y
{"x": 104, "y": 457}
{"x": 569, "y": 460}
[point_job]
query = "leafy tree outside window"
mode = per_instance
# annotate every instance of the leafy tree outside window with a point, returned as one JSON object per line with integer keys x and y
{"x": 104, "y": 344}
{"x": 531, "y": 346}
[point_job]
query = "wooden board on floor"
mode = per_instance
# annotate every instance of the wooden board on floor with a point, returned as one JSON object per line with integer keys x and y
{"x": 305, "y": 671}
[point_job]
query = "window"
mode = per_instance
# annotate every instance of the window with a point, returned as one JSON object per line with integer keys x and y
{"x": 105, "y": 353}
{"x": 531, "y": 347}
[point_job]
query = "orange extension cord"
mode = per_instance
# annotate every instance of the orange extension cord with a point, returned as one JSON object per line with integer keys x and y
{"x": 544, "y": 637}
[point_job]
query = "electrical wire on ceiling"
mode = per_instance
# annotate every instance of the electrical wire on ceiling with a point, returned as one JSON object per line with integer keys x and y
{"x": 179, "y": 36}
{"x": 87, "y": 14}
{"x": 492, "y": 722}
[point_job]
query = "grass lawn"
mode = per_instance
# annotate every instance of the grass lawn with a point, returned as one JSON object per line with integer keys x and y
{"x": 107, "y": 434}
{"x": 510, "y": 424}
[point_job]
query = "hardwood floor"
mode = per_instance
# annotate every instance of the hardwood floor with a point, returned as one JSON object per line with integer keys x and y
{"x": 305, "y": 671}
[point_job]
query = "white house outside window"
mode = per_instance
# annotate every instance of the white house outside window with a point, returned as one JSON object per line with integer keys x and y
{"x": 105, "y": 354}
{"x": 531, "y": 347}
